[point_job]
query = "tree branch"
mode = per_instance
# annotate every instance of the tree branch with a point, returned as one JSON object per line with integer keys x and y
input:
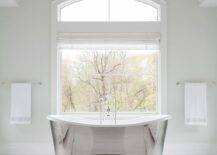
{"x": 113, "y": 68}
{"x": 90, "y": 84}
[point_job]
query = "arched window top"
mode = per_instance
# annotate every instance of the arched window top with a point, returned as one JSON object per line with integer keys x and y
{"x": 108, "y": 11}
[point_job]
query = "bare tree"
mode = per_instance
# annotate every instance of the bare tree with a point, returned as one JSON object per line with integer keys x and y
{"x": 106, "y": 76}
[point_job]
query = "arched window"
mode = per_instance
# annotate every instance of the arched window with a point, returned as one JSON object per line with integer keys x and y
{"x": 127, "y": 36}
{"x": 109, "y": 10}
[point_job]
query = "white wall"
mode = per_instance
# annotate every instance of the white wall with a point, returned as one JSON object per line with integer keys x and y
{"x": 25, "y": 55}
{"x": 192, "y": 55}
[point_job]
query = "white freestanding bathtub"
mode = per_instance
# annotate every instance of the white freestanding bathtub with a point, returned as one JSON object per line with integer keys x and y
{"x": 78, "y": 134}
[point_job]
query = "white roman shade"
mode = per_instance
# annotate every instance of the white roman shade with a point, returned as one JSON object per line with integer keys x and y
{"x": 147, "y": 41}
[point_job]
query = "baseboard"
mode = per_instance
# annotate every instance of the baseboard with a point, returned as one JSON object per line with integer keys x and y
{"x": 26, "y": 149}
{"x": 47, "y": 149}
{"x": 190, "y": 149}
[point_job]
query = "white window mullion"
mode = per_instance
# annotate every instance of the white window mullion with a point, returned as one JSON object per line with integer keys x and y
{"x": 112, "y": 27}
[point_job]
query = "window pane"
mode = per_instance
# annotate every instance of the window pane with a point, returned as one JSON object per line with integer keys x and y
{"x": 125, "y": 78}
{"x": 132, "y": 10}
{"x": 85, "y": 10}
{"x": 109, "y": 10}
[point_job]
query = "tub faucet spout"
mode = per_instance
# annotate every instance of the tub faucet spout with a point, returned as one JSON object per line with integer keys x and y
{"x": 108, "y": 111}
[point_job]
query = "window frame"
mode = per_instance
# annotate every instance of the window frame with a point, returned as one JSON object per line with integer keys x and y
{"x": 104, "y": 27}
{"x": 122, "y": 112}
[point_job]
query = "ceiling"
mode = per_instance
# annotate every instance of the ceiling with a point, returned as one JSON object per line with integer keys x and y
{"x": 208, "y": 3}
{"x": 14, "y": 3}
{"x": 8, "y": 3}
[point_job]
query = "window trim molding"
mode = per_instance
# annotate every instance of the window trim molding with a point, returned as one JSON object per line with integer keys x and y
{"x": 133, "y": 27}
{"x": 132, "y": 38}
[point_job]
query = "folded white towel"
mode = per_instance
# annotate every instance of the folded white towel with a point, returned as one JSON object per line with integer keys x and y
{"x": 20, "y": 103}
{"x": 195, "y": 104}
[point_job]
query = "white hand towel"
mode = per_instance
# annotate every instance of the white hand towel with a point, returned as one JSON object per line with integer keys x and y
{"x": 20, "y": 103}
{"x": 195, "y": 104}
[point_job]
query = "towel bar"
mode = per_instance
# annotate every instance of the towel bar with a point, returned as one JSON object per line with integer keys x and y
{"x": 33, "y": 83}
{"x": 179, "y": 83}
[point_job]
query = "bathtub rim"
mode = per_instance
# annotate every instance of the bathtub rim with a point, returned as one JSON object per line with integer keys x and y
{"x": 54, "y": 118}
